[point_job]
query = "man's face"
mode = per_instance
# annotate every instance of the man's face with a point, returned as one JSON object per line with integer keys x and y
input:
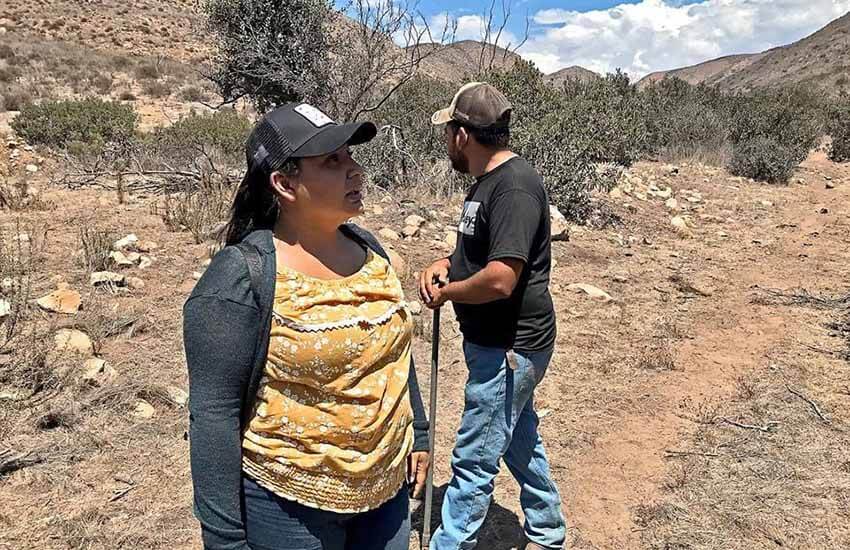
{"x": 459, "y": 160}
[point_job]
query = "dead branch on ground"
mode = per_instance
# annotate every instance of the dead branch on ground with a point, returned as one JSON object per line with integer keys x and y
{"x": 811, "y": 403}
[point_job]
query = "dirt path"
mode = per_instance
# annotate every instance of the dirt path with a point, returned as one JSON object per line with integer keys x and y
{"x": 729, "y": 337}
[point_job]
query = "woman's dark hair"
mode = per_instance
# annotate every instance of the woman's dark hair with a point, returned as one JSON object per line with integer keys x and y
{"x": 255, "y": 206}
{"x": 496, "y": 137}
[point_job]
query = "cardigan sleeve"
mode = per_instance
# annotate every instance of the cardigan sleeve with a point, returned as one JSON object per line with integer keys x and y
{"x": 218, "y": 321}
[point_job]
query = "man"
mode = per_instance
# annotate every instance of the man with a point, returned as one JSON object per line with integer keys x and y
{"x": 498, "y": 280}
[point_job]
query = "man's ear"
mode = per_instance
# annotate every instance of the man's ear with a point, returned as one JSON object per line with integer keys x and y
{"x": 283, "y": 187}
{"x": 462, "y": 137}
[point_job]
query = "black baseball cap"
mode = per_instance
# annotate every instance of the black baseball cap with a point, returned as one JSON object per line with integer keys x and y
{"x": 297, "y": 130}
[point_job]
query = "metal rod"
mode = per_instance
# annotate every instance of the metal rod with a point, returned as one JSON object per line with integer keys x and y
{"x": 432, "y": 430}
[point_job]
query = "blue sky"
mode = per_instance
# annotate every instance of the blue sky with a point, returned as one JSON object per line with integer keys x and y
{"x": 641, "y": 36}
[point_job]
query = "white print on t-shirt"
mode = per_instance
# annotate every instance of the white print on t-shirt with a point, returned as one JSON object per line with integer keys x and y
{"x": 467, "y": 219}
{"x": 316, "y": 117}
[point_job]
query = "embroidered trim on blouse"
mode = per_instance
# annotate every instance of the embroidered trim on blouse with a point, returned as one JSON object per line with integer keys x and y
{"x": 349, "y": 322}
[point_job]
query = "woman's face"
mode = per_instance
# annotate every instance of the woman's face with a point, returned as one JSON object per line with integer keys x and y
{"x": 330, "y": 186}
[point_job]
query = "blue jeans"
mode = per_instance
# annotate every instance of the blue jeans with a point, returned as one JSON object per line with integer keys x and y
{"x": 498, "y": 422}
{"x": 274, "y": 523}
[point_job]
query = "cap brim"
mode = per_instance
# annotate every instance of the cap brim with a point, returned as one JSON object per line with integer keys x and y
{"x": 443, "y": 116}
{"x": 334, "y": 137}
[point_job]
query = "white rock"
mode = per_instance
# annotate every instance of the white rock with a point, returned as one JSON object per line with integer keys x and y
{"x": 377, "y": 210}
{"x": 127, "y": 242}
{"x": 145, "y": 262}
{"x": 680, "y": 225}
{"x": 99, "y": 278}
{"x": 73, "y": 340}
{"x": 133, "y": 257}
{"x": 146, "y": 246}
{"x": 118, "y": 258}
{"x": 178, "y": 396}
{"x": 398, "y": 263}
{"x": 61, "y": 301}
{"x": 144, "y": 409}
{"x": 98, "y": 372}
{"x": 5, "y": 309}
{"x": 389, "y": 234}
{"x": 415, "y": 307}
{"x": 22, "y": 238}
{"x": 766, "y": 204}
{"x": 672, "y": 204}
{"x": 616, "y": 193}
{"x": 592, "y": 291}
{"x": 135, "y": 283}
{"x": 197, "y": 275}
{"x": 560, "y": 228}
{"x": 32, "y": 168}
{"x": 451, "y": 239}
{"x": 410, "y": 231}
{"x": 414, "y": 220}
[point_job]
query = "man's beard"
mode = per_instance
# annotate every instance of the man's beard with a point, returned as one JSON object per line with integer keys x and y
{"x": 459, "y": 162}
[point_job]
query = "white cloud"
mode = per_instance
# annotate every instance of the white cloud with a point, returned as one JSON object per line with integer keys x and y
{"x": 657, "y": 34}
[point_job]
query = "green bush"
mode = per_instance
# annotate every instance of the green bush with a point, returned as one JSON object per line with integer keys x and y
{"x": 839, "y": 129}
{"x": 57, "y": 123}
{"x": 199, "y": 142}
{"x": 764, "y": 159}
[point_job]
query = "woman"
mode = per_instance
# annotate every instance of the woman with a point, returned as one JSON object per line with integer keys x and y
{"x": 306, "y": 421}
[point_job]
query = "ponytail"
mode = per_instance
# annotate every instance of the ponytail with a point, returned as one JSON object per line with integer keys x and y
{"x": 255, "y": 206}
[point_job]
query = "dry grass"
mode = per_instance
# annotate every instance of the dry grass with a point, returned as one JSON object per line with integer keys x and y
{"x": 95, "y": 246}
{"x": 201, "y": 212}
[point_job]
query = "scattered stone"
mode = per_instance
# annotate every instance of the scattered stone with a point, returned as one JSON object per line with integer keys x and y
{"x": 410, "y": 231}
{"x": 414, "y": 220}
{"x": 560, "y": 228}
{"x": 127, "y": 242}
{"x": 73, "y": 340}
{"x": 723, "y": 234}
{"x": 135, "y": 283}
{"x": 63, "y": 301}
{"x": 415, "y": 308}
{"x": 118, "y": 258}
{"x": 99, "y": 278}
{"x": 671, "y": 170}
{"x": 640, "y": 196}
{"x": 32, "y": 168}
{"x": 177, "y": 395}
{"x": 828, "y": 178}
{"x": 22, "y": 238}
{"x": 681, "y": 226}
{"x": 658, "y": 193}
{"x": 145, "y": 262}
{"x": 766, "y": 204}
{"x": 830, "y": 185}
{"x": 389, "y": 234}
{"x": 451, "y": 239}
{"x": 133, "y": 257}
{"x": 98, "y": 372}
{"x": 146, "y": 246}
{"x": 672, "y": 204}
{"x": 621, "y": 279}
{"x": 824, "y": 210}
{"x": 143, "y": 409}
{"x": 592, "y": 291}
{"x": 377, "y": 210}
{"x": 398, "y": 263}
{"x": 5, "y": 309}
{"x": 197, "y": 275}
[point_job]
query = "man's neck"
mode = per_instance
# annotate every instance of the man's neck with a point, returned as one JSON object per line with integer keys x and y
{"x": 488, "y": 163}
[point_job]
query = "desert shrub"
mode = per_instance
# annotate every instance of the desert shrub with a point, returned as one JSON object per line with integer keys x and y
{"x": 147, "y": 71}
{"x": 57, "y": 123}
{"x": 193, "y": 93}
{"x": 791, "y": 117}
{"x": 17, "y": 268}
{"x": 95, "y": 246}
{"x": 408, "y": 147}
{"x": 14, "y": 98}
{"x": 202, "y": 143}
{"x": 102, "y": 83}
{"x": 127, "y": 95}
{"x": 198, "y": 210}
{"x": 764, "y": 159}
{"x": 839, "y": 129}
{"x": 156, "y": 89}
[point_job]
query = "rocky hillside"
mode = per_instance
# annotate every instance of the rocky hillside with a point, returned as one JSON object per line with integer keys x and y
{"x": 570, "y": 73}
{"x": 460, "y": 59}
{"x": 821, "y": 59}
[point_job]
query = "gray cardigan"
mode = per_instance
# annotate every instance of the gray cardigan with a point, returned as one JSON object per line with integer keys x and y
{"x": 226, "y": 338}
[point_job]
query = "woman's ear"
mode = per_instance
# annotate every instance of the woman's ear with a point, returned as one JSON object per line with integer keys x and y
{"x": 283, "y": 187}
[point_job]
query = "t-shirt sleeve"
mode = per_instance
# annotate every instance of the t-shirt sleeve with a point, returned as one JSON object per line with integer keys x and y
{"x": 514, "y": 219}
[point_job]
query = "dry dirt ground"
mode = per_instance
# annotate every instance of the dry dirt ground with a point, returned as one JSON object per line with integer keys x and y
{"x": 668, "y": 412}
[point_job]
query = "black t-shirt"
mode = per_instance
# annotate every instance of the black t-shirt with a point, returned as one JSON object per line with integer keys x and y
{"x": 506, "y": 215}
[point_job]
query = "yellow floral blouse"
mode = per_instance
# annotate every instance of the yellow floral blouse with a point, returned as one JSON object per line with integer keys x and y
{"x": 332, "y": 424}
